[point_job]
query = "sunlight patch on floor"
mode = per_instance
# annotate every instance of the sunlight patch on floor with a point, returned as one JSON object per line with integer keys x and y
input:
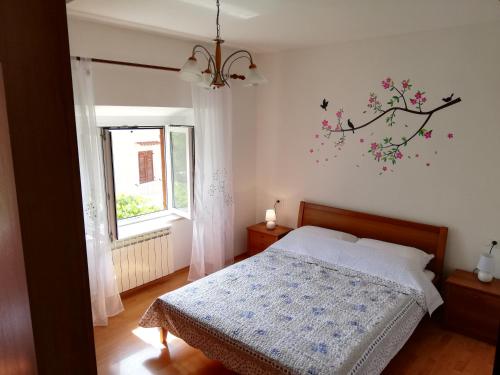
{"x": 151, "y": 336}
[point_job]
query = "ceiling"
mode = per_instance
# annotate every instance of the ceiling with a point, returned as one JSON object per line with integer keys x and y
{"x": 274, "y": 25}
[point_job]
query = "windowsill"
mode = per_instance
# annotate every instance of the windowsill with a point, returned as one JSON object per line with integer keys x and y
{"x": 149, "y": 225}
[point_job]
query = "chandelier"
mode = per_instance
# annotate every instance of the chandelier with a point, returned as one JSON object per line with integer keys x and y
{"x": 217, "y": 72}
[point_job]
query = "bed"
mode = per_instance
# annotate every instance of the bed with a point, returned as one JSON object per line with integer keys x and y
{"x": 312, "y": 303}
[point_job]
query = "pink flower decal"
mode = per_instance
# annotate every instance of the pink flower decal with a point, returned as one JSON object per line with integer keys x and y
{"x": 311, "y": 150}
{"x": 374, "y": 146}
{"x": 316, "y": 136}
{"x": 387, "y": 83}
{"x": 419, "y": 99}
{"x": 384, "y": 168}
{"x": 428, "y": 134}
{"x": 378, "y": 155}
{"x": 450, "y": 135}
{"x": 324, "y": 122}
{"x": 405, "y": 83}
{"x": 339, "y": 113}
{"x": 374, "y": 103}
{"x": 361, "y": 140}
{"x": 398, "y": 155}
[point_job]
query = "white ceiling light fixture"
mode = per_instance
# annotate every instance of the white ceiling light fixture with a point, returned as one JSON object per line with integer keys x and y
{"x": 217, "y": 72}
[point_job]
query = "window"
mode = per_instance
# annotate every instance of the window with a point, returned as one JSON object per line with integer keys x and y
{"x": 148, "y": 174}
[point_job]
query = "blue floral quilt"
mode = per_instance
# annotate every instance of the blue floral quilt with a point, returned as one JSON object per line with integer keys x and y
{"x": 303, "y": 315}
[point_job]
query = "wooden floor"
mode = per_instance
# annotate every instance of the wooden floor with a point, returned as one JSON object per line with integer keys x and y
{"x": 123, "y": 348}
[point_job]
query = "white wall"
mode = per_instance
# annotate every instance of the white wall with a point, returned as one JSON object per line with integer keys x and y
{"x": 460, "y": 188}
{"x": 127, "y": 86}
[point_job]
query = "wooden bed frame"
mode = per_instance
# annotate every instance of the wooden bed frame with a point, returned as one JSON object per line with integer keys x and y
{"x": 429, "y": 238}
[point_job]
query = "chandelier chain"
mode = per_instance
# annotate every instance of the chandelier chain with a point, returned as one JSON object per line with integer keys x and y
{"x": 217, "y": 21}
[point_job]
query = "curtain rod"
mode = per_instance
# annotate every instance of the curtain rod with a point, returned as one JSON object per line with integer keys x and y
{"x": 125, "y": 63}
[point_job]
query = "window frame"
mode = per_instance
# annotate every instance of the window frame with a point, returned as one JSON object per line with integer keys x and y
{"x": 165, "y": 132}
{"x": 188, "y": 131}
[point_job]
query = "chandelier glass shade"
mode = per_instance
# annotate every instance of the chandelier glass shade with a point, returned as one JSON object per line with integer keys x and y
{"x": 217, "y": 72}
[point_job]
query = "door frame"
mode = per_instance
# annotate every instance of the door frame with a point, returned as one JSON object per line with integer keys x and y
{"x": 34, "y": 52}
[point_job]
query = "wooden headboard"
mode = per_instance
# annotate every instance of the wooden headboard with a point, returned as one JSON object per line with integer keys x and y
{"x": 429, "y": 238}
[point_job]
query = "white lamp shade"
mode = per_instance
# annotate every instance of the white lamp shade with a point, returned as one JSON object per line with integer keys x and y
{"x": 253, "y": 77}
{"x": 486, "y": 263}
{"x": 190, "y": 71}
{"x": 270, "y": 215}
{"x": 206, "y": 80}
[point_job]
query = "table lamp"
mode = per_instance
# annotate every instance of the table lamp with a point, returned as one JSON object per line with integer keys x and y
{"x": 270, "y": 219}
{"x": 486, "y": 266}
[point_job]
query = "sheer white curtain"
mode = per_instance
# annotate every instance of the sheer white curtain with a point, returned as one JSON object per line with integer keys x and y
{"x": 213, "y": 182}
{"x": 105, "y": 298}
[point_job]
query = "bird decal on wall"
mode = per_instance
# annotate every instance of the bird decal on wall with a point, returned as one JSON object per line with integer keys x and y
{"x": 350, "y": 124}
{"x": 324, "y": 104}
{"x": 448, "y": 98}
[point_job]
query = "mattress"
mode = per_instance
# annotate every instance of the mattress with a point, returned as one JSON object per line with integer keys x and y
{"x": 283, "y": 312}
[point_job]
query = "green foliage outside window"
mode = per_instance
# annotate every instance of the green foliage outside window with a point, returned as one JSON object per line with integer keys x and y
{"x": 133, "y": 205}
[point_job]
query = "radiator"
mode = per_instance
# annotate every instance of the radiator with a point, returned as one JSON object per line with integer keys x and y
{"x": 142, "y": 259}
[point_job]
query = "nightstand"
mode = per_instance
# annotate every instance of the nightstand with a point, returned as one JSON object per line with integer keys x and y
{"x": 472, "y": 307}
{"x": 260, "y": 238}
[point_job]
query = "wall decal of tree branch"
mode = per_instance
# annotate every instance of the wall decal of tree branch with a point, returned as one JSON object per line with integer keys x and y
{"x": 388, "y": 150}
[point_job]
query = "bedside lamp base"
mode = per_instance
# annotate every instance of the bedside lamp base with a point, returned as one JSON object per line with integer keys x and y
{"x": 485, "y": 277}
{"x": 270, "y": 225}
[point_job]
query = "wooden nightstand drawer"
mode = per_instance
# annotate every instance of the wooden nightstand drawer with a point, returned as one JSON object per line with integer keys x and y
{"x": 258, "y": 242}
{"x": 473, "y": 313}
{"x": 260, "y": 238}
{"x": 471, "y": 307}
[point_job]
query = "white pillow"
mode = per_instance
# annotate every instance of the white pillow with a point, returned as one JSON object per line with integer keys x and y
{"x": 429, "y": 274}
{"x": 417, "y": 257}
{"x": 327, "y": 233}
